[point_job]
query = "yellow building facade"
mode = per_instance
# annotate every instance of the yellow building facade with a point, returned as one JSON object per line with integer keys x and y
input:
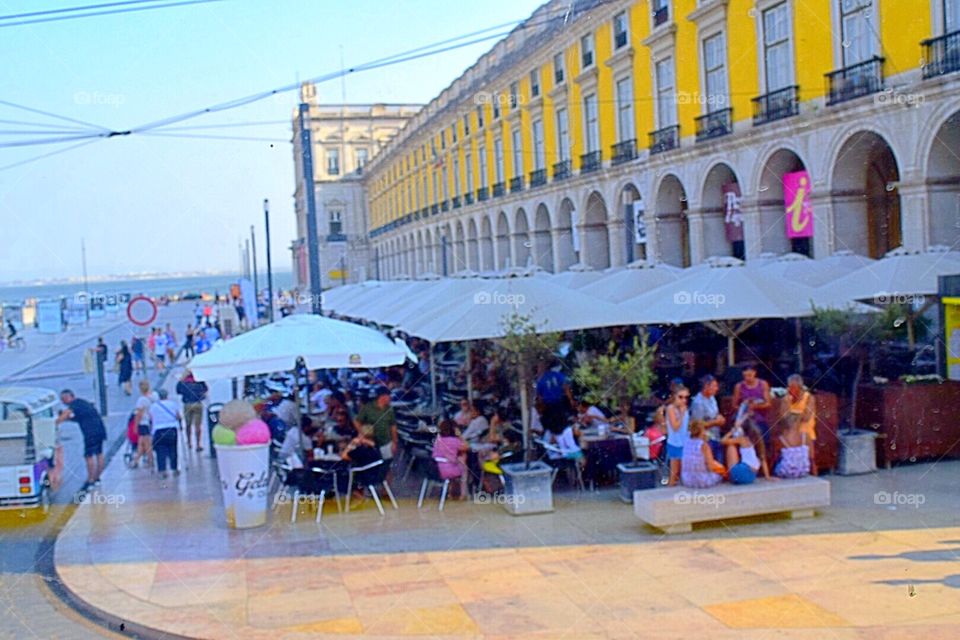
{"x": 607, "y": 131}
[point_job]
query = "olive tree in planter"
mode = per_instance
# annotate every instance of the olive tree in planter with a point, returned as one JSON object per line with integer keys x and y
{"x": 615, "y": 378}
{"x": 529, "y": 485}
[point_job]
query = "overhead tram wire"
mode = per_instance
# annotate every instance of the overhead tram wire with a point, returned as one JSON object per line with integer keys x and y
{"x": 88, "y": 7}
{"x": 87, "y": 125}
{"x": 49, "y": 153}
{"x": 168, "y": 5}
{"x": 202, "y": 136}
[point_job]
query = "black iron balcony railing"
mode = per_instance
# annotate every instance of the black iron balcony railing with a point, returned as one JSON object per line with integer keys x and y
{"x": 624, "y": 151}
{"x": 456, "y": 202}
{"x": 538, "y": 178}
{"x": 482, "y": 194}
{"x": 941, "y": 55}
{"x": 855, "y": 81}
{"x": 714, "y": 124}
{"x": 561, "y": 170}
{"x": 499, "y": 189}
{"x": 776, "y": 105}
{"x": 336, "y": 237}
{"x": 664, "y": 139}
{"x": 434, "y": 209}
{"x": 468, "y": 198}
{"x": 589, "y": 161}
{"x": 445, "y": 206}
{"x": 516, "y": 184}
{"x": 661, "y": 15}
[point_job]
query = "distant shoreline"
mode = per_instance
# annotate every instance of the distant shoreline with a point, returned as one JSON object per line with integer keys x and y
{"x": 43, "y": 282}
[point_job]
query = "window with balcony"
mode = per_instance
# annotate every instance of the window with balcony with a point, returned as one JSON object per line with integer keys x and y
{"x": 335, "y": 217}
{"x": 333, "y": 162}
{"x": 498, "y": 160}
{"x": 535, "y": 83}
{"x": 514, "y": 99}
{"x": 586, "y": 51}
{"x": 469, "y": 168}
{"x": 666, "y": 93}
{"x": 363, "y": 155}
{"x": 621, "y": 35}
{"x": 715, "y": 72}
{"x": 941, "y": 55}
{"x": 856, "y": 31}
{"x": 777, "y": 66}
{"x": 517, "y": 141}
{"x": 466, "y": 124}
{"x": 482, "y": 165}
{"x": 624, "y": 91}
{"x": 538, "y": 147}
{"x": 496, "y": 106}
{"x": 563, "y": 135}
{"x": 480, "y": 117}
{"x": 558, "y": 69}
{"x": 453, "y": 133}
{"x": 591, "y": 130}
{"x": 661, "y": 12}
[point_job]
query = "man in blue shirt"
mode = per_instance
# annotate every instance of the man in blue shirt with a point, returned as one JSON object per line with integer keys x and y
{"x": 554, "y": 398}
{"x": 93, "y": 430}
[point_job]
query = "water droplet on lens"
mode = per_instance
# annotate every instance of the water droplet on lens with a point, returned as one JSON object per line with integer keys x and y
{"x": 846, "y": 44}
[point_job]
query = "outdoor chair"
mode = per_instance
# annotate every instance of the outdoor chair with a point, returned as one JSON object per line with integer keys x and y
{"x": 417, "y": 451}
{"x": 370, "y": 476}
{"x": 315, "y": 483}
{"x": 569, "y": 464}
{"x": 432, "y": 477}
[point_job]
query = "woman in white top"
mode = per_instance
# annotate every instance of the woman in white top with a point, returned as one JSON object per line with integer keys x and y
{"x": 165, "y": 418}
{"x": 142, "y": 416}
{"x": 745, "y": 454}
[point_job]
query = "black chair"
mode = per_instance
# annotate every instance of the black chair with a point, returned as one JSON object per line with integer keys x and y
{"x": 370, "y": 476}
{"x": 432, "y": 477}
{"x": 314, "y": 482}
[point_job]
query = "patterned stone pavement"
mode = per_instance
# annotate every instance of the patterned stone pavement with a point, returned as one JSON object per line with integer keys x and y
{"x": 163, "y": 559}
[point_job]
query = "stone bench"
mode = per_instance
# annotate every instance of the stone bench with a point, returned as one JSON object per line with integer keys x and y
{"x": 675, "y": 509}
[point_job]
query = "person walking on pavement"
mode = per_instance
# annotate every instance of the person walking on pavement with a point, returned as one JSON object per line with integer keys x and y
{"x": 159, "y": 347}
{"x": 192, "y": 394}
{"x": 165, "y": 420}
{"x": 93, "y": 430}
{"x": 102, "y": 351}
{"x": 136, "y": 349}
{"x": 188, "y": 351}
{"x": 171, "y": 338}
{"x": 142, "y": 416}
{"x": 125, "y": 367}
{"x": 198, "y": 313}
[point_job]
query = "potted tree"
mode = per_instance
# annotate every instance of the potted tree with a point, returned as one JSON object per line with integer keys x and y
{"x": 615, "y": 378}
{"x": 528, "y": 485}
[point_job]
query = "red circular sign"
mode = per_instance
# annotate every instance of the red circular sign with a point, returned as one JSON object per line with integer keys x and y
{"x": 141, "y": 311}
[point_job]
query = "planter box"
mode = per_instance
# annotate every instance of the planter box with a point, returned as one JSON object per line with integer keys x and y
{"x": 916, "y": 421}
{"x": 637, "y": 476}
{"x": 858, "y": 452}
{"x": 528, "y": 489}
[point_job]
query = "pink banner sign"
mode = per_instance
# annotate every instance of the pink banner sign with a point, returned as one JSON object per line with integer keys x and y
{"x": 796, "y": 199}
{"x": 732, "y": 214}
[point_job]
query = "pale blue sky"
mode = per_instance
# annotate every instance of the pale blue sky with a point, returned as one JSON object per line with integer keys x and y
{"x": 168, "y": 204}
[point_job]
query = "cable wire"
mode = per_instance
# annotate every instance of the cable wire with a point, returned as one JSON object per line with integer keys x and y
{"x": 87, "y": 125}
{"x": 106, "y": 13}
{"x": 48, "y": 154}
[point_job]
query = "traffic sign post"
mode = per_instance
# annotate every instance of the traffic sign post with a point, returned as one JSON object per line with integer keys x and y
{"x": 141, "y": 311}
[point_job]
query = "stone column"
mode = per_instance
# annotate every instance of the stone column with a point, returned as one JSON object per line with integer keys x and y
{"x": 617, "y": 239}
{"x": 915, "y": 216}
{"x": 752, "y": 229}
{"x": 698, "y": 245}
{"x": 823, "y": 224}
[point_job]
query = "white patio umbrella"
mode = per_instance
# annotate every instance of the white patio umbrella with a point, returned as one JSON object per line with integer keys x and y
{"x": 728, "y": 298}
{"x": 636, "y": 279}
{"x": 797, "y": 267}
{"x": 336, "y": 298}
{"x": 363, "y": 305}
{"x": 577, "y": 276}
{"x": 901, "y": 276}
{"x": 322, "y": 343}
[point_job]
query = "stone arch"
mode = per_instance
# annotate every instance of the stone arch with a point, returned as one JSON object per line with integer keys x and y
{"x": 865, "y": 197}
{"x": 720, "y": 236}
{"x": 672, "y": 225}
{"x": 486, "y": 245}
{"x": 943, "y": 183}
{"x": 565, "y": 254}
{"x": 459, "y": 256}
{"x": 772, "y": 231}
{"x": 521, "y": 238}
{"x": 503, "y": 253}
{"x": 429, "y": 251}
{"x": 542, "y": 238}
{"x": 635, "y": 217}
{"x": 596, "y": 240}
{"x": 472, "y": 246}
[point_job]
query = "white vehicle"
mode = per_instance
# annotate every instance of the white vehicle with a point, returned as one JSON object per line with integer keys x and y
{"x": 31, "y": 456}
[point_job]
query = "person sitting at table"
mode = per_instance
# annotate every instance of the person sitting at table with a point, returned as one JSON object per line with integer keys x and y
{"x": 379, "y": 415}
{"x": 704, "y": 407}
{"x": 698, "y": 467}
{"x": 318, "y": 397}
{"x": 589, "y": 416}
{"x": 564, "y": 441}
{"x": 477, "y": 426}
{"x": 793, "y": 453}
{"x": 299, "y": 442}
{"x": 464, "y": 415}
{"x": 453, "y": 450}
{"x": 278, "y": 428}
{"x": 343, "y": 427}
{"x": 360, "y": 452}
{"x": 746, "y": 455}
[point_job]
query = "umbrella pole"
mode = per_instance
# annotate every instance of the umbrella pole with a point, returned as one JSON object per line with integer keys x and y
{"x": 469, "y": 376}
{"x": 911, "y": 337}
{"x": 524, "y": 409}
{"x": 799, "y": 345}
{"x": 433, "y": 376}
{"x": 731, "y": 345}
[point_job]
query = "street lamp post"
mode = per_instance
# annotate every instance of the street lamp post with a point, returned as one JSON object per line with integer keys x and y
{"x": 313, "y": 243}
{"x": 266, "y": 219}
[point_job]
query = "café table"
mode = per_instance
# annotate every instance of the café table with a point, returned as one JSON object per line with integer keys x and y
{"x": 603, "y": 454}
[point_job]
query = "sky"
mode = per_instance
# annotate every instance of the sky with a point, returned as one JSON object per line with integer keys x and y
{"x": 168, "y": 204}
